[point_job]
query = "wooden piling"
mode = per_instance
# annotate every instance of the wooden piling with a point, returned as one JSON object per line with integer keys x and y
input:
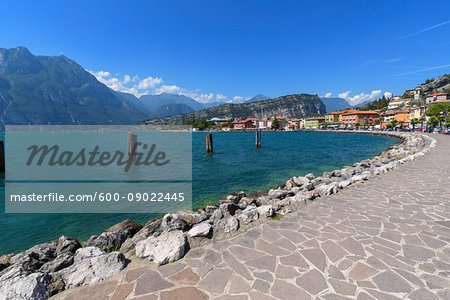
{"x": 2, "y": 157}
{"x": 258, "y": 138}
{"x": 209, "y": 143}
{"x": 132, "y": 140}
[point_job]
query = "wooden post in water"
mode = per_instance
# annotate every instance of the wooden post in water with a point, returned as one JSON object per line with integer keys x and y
{"x": 209, "y": 143}
{"x": 132, "y": 140}
{"x": 258, "y": 138}
{"x": 2, "y": 157}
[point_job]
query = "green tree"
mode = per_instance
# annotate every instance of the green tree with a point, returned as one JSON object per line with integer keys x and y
{"x": 275, "y": 123}
{"x": 401, "y": 123}
{"x": 414, "y": 121}
{"x": 357, "y": 125}
{"x": 406, "y": 95}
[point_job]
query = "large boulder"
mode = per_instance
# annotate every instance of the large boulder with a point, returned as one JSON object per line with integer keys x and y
{"x": 300, "y": 181}
{"x": 278, "y": 193}
{"x": 60, "y": 262}
{"x": 87, "y": 252}
{"x": 265, "y": 211}
{"x": 92, "y": 270}
{"x": 202, "y": 229}
{"x": 33, "y": 258}
{"x": 249, "y": 214}
{"x": 107, "y": 241}
{"x": 19, "y": 284}
{"x": 191, "y": 218}
{"x": 167, "y": 247}
{"x": 152, "y": 227}
{"x": 127, "y": 227}
{"x": 228, "y": 209}
{"x": 173, "y": 222}
{"x": 228, "y": 224}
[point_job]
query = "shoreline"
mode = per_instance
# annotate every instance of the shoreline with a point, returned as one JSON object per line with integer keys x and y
{"x": 237, "y": 213}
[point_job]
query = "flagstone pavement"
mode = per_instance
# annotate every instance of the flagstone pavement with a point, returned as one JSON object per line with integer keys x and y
{"x": 388, "y": 238}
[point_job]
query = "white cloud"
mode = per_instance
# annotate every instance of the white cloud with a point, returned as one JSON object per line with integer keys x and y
{"x": 447, "y": 66}
{"x": 149, "y": 83}
{"x": 387, "y": 94}
{"x": 424, "y": 30}
{"x": 152, "y": 85}
{"x": 327, "y": 95}
{"x": 360, "y": 98}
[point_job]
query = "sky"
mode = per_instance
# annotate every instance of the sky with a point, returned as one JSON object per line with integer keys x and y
{"x": 232, "y": 50}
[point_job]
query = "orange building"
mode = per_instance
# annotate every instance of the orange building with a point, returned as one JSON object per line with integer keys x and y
{"x": 364, "y": 118}
{"x": 403, "y": 115}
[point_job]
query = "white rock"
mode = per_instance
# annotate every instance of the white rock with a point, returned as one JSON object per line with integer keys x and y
{"x": 266, "y": 210}
{"x": 18, "y": 284}
{"x": 201, "y": 229}
{"x": 249, "y": 214}
{"x": 344, "y": 183}
{"x": 92, "y": 270}
{"x": 229, "y": 224}
{"x": 87, "y": 252}
{"x": 169, "y": 246}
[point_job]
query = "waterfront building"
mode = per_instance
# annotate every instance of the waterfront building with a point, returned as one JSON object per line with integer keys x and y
{"x": 333, "y": 119}
{"x": 403, "y": 115}
{"x": 437, "y": 97}
{"x": 386, "y": 118}
{"x": 314, "y": 122}
{"x": 364, "y": 118}
{"x": 416, "y": 93}
{"x": 395, "y": 104}
{"x": 218, "y": 121}
{"x": 296, "y": 123}
{"x": 249, "y": 123}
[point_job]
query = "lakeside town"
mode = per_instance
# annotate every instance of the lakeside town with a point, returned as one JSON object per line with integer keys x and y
{"x": 413, "y": 111}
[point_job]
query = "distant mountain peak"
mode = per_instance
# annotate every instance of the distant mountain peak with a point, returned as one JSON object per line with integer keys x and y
{"x": 259, "y": 97}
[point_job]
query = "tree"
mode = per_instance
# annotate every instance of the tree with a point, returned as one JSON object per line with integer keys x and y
{"x": 414, "y": 121}
{"x": 438, "y": 113}
{"x": 275, "y": 124}
{"x": 406, "y": 95}
{"x": 401, "y": 123}
{"x": 357, "y": 125}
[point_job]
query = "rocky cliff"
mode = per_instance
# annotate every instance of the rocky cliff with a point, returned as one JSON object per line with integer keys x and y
{"x": 290, "y": 106}
{"x": 438, "y": 85}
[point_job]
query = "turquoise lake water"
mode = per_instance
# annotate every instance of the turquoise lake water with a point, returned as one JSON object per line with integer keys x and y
{"x": 235, "y": 165}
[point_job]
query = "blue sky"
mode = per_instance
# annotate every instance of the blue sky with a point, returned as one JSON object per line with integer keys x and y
{"x": 225, "y": 50}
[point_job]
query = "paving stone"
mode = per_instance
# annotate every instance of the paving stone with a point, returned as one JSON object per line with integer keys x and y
{"x": 334, "y": 272}
{"x": 261, "y": 285}
{"x": 286, "y": 244}
{"x": 388, "y": 281}
{"x": 151, "y": 282}
{"x": 287, "y": 291}
{"x": 187, "y": 276}
{"x": 259, "y": 296}
{"x": 216, "y": 280}
{"x": 184, "y": 293}
{"x": 422, "y": 294}
{"x": 295, "y": 259}
{"x": 316, "y": 257}
{"x": 212, "y": 257}
{"x": 342, "y": 287}
{"x": 135, "y": 274}
{"x": 238, "y": 285}
{"x": 245, "y": 254}
{"x": 236, "y": 266}
{"x": 353, "y": 246}
{"x": 417, "y": 253}
{"x": 345, "y": 264}
{"x": 263, "y": 263}
{"x": 203, "y": 270}
{"x": 286, "y": 272}
{"x": 172, "y": 268}
{"x": 364, "y": 296}
{"x": 270, "y": 248}
{"x": 231, "y": 297}
{"x": 313, "y": 282}
{"x": 146, "y": 297}
{"x": 264, "y": 275}
{"x": 122, "y": 291}
{"x": 362, "y": 271}
{"x": 293, "y": 236}
{"x": 333, "y": 251}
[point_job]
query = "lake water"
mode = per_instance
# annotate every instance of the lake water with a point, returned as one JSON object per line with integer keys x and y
{"x": 235, "y": 165}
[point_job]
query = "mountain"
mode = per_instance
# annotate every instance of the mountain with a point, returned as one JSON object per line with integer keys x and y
{"x": 291, "y": 106}
{"x": 336, "y": 104}
{"x": 153, "y": 102}
{"x": 56, "y": 90}
{"x": 438, "y": 85}
{"x": 259, "y": 97}
{"x": 171, "y": 109}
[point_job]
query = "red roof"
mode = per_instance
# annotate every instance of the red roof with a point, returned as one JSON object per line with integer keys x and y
{"x": 437, "y": 94}
{"x": 356, "y": 112}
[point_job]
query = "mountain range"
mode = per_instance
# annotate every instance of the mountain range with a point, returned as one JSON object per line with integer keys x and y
{"x": 290, "y": 106}
{"x": 57, "y": 90}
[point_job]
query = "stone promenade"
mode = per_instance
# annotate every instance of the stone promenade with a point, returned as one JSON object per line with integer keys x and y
{"x": 387, "y": 238}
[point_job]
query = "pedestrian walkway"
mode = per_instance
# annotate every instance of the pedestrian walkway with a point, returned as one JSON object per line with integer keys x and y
{"x": 388, "y": 238}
